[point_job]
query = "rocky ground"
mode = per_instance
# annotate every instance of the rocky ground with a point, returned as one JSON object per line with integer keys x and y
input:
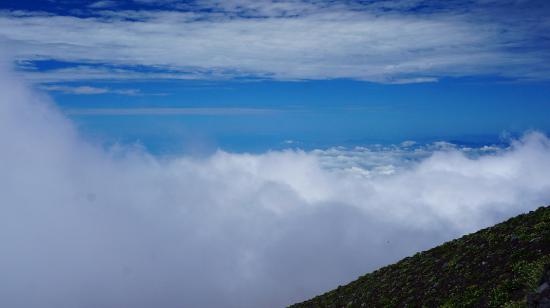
{"x": 507, "y": 265}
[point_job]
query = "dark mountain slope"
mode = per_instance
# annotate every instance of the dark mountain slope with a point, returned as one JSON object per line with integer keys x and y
{"x": 506, "y": 265}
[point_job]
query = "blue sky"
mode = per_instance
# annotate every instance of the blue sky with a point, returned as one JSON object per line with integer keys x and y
{"x": 256, "y": 75}
{"x": 316, "y": 113}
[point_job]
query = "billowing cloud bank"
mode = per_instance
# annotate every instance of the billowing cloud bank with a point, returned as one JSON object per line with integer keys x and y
{"x": 82, "y": 227}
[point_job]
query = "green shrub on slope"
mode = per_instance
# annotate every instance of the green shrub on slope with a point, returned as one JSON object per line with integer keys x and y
{"x": 494, "y": 267}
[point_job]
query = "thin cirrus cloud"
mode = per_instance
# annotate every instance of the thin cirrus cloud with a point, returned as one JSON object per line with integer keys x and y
{"x": 82, "y": 226}
{"x": 102, "y": 4}
{"x": 290, "y": 40}
{"x": 170, "y": 111}
{"x": 88, "y": 90}
{"x": 103, "y": 72}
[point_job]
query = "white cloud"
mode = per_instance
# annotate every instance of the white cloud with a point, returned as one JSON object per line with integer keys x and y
{"x": 283, "y": 40}
{"x": 94, "y": 73}
{"x": 102, "y": 4}
{"x": 87, "y": 90}
{"x": 170, "y": 111}
{"x": 85, "y": 227}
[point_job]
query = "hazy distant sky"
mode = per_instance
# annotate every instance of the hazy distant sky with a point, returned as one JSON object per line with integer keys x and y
{"x": 209, "y": 153}
{"x": 334, "y": 72}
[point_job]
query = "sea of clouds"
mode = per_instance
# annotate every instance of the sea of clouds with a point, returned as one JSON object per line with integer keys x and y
{"x": 81, "y": 226}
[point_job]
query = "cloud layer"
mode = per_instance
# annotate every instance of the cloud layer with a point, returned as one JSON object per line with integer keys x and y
{"x": 394, "y": 42}
{"x": 85, "y": 227}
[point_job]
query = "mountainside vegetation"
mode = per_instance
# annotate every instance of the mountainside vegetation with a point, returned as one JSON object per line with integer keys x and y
{"x": 507, "y": 265}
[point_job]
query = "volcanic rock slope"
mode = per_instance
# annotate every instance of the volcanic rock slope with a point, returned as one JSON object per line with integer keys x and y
{"x": 507, "y": 265}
